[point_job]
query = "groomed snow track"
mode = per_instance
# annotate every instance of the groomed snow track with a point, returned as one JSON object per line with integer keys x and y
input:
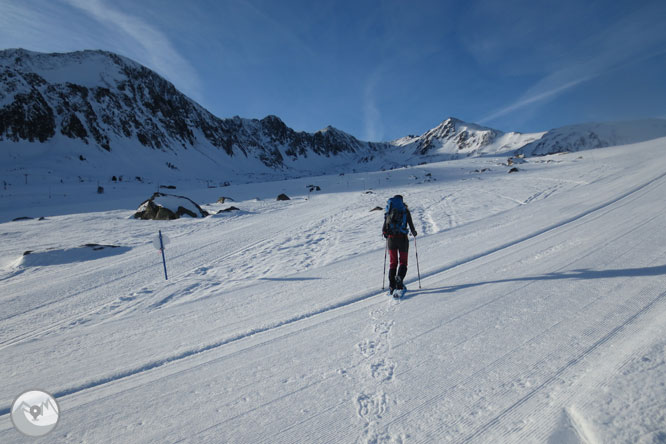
{"x": 522, "y": 319}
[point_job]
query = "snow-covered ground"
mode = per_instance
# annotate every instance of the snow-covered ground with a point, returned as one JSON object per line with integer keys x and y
{"x": 540, "y": 315}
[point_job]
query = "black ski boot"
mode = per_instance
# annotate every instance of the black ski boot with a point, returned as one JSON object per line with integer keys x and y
{"x": 400, "y": 288}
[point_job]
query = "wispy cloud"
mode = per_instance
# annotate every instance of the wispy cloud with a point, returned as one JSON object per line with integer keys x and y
{"x": 547, "y": 89}
{"x": 287, "y": 37}
{"x": 371, "y": 117}
{"x": 145, "y": 43}
{"x": 631, "y": 39}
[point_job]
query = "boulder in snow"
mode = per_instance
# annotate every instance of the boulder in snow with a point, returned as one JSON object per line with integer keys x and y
{"x": 283, "y": 197}
{"x": 168, "y": 206}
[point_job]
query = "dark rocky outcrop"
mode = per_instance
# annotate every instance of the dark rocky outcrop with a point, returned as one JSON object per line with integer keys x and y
{"x": 228, "y": 210}
{"x": 283, "y": 197}
{"x": 168, "y": 207}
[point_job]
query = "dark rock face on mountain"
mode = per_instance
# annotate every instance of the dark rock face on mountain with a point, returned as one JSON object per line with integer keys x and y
{"x": 42, "y": 95}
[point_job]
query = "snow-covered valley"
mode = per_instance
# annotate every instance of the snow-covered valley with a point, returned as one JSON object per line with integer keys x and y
{"x": 540, "y": 315}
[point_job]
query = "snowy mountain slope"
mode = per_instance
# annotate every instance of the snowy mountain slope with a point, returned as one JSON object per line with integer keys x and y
{"x": 540, "y": 292}
{"x": 454, "y": 138}
{"x": 106, "y": 102}
{"x": 90, "y": 115}
{"x": 595, "y": 135}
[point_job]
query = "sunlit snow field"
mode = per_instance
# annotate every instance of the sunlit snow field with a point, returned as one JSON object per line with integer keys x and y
{"x": 539, "y": 317}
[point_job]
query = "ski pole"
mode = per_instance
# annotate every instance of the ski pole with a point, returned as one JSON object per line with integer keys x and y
{"x": 384, "y": 275}
{"x": 416, "y": 250}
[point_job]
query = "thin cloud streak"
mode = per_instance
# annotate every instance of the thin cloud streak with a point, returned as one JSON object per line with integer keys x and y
{"x": 372, "y": 119}
{"x": 623, "y": 44}
{"x": 535, "y": 98}
{"x": 157, "y": 51}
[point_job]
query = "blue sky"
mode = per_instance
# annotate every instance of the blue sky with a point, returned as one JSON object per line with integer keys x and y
{"x": 378, "y": 69}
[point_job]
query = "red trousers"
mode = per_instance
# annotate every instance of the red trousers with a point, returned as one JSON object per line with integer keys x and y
{"x": 393, "y": 255}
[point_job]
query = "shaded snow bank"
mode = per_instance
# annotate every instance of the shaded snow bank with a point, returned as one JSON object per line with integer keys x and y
{"x": 595, "y": 135}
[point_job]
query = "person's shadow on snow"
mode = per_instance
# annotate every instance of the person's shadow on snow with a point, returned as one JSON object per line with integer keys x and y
{"x": 581, "y": 273}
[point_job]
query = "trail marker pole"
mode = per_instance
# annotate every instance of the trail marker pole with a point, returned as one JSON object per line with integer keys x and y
{"x": 161, "y": 248}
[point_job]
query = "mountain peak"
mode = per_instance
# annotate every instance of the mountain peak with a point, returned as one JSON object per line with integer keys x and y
{"x": 77, "y": 64}
{"x": 97, "y": 102}
{"x": 327, "y": 129}
{"x": 451, "y": 120}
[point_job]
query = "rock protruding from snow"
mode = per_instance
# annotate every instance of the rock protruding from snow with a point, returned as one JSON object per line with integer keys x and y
{"x": 229, "y": 209}
{"x": 167, "y": 207}
{"x": 595, "y": 135}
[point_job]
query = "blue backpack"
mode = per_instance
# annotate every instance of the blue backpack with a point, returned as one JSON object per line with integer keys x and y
{"x": 396, "y": 216}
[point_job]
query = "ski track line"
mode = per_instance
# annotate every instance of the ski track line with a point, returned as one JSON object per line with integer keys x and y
{"x": 598, "y": 327}
{"x": 506, "y": 355}
{"x": 529, "y": 372}
{"x": 132, "y": 273}
{"x": 542, "y": 231}
{"x": 331, "y": 374}
{"x": 613, "y": 333}
{"x": 610, "y": 366}
{"x": 533, "y": 369}
{"x": 82, "y": 315}
{"x": 172, "y": 258}
{"x": 140, "y": 270}
{"x": 196, "y": 351}
{"x": 98, "y": 308}
{"x": 450, "y": 211}
{"x": 350, "y": 301}
{"x": 489, "y": 302}
{"x": 467, "y": 378}
{"x": 437, "y": 271}
{"x": 479, "y": 332}
{"x": 381, "y": 330}
{"x": 537, "y": 234}
{"x": 513, "y": 290}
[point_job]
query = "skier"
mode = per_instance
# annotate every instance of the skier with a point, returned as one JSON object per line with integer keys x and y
{"x": 396, "y": 219}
